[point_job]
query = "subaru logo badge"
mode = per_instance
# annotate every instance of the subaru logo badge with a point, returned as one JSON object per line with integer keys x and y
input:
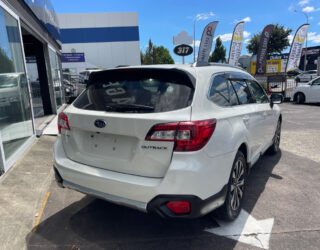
{"x": 100, "y": 123}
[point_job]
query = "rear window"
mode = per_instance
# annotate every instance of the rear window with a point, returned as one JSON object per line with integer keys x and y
{"x": 137, "y": 91}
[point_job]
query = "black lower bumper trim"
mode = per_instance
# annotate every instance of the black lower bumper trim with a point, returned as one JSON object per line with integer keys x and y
{"x": 199, "y": 207}
{"x": 58, "y": 177}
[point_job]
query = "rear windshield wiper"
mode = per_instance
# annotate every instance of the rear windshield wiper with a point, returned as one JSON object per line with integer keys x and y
{"x": 128, "y": 107}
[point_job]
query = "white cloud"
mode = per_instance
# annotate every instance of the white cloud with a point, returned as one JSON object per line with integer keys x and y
{"x": 290, "y": 37}
{"x": 311, "y": 18}
{"x": 246, "y": 19}
{"x": 309, "y": 9}
{"x": 314, "y": 37}
{"x": 228, "y": 36}
{"x": 246, "y": 41}
{"x": 204, "y": 16}
{"x": 303, "y": 2}
{"x": 197, "y": 43}
{"x": 318, "y": 23}
{"x": 246, "y": 34}
{"x": 225, "y": 37}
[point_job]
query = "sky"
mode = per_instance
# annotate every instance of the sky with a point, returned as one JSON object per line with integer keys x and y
{"x": 161, "y": 20}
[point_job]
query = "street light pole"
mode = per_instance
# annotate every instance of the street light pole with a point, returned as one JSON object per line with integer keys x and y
{"x": 305, "y": 52}
{"x": 198, "y": 17}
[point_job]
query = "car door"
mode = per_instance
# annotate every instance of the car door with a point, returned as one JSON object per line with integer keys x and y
{"x": 306, "y": 76}
{"x": 303, "y": 77}
{"x": 314, "y": 93}
{"x": 268, "y": 123}
{"x": 314, "y": 74}
{"x": 252, "y": 118}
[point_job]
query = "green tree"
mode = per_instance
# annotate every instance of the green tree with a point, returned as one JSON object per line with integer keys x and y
{"x": 6, "y": 65}
{"x": 156, "y": 55}
{"x": 219, "y": 53}
{"x": 278, "y": 42}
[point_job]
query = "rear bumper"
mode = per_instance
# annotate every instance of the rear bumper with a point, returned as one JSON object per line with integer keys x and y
{"x": 204, "y": 188}
{"x": 157, "y": 205}
{"x": 198, "y": 206}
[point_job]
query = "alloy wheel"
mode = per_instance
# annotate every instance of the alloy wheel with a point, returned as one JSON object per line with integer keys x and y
{"x": 277, "y": 137}
{"x": 237, "y": 184}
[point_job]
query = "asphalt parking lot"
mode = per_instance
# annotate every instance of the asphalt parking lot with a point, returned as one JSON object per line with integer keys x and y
{"x": 280, "y": 210}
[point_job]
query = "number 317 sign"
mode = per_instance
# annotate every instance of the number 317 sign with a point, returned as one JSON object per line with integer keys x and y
{"x": 183, "y": 50}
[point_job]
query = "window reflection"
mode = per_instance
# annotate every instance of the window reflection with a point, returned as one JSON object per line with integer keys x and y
{"x": 15, "y": 112}
{"x": 56, "y": 78}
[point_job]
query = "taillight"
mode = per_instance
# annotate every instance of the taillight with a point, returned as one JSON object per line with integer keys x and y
{"x": 63, "y": 122}
{"x": 179, "y": 207}
{"x": 187, "y": 136}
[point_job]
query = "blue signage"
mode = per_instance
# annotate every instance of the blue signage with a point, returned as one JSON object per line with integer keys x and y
{"x": 72, "y": 57}
{"x": 43, "y": 9}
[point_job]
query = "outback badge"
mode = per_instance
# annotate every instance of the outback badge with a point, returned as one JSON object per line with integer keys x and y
{"x": 100, "y": 123}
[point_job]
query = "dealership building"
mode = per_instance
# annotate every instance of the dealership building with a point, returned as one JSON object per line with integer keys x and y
{"x": 34, "y": 49}
{"x": 30, "y": 73}
{"x": 99, "y": 40}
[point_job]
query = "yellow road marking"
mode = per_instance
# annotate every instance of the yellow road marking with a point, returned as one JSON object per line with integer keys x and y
{"x": 41, "y": 212}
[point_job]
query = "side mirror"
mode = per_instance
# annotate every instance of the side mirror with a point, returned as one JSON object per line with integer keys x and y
{"x": 275, "y": 98}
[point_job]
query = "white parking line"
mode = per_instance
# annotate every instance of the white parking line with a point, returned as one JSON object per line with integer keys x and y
{"x": 246, "y": 229}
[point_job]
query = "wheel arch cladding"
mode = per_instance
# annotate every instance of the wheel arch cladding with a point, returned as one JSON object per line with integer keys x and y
{"x": 244, "y": 149}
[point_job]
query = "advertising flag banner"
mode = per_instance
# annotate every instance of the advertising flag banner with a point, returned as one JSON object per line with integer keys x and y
{"x": 296, "y": 47}
{"x": 236, "y": 44}
{"x": 206, "y": 42}
{"x": 262, "y": 51}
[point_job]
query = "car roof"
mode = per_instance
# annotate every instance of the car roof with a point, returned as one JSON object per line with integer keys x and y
{"x": 193, "y": 69}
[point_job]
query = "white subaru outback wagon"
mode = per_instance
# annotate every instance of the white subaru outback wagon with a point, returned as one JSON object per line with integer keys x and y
{"x": 177, "y": 140}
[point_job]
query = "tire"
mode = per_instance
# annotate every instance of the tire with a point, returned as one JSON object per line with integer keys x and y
{"x": 300, "y": 98}
{"x": 231, "y": 208}
{"x": 275, "y": 147}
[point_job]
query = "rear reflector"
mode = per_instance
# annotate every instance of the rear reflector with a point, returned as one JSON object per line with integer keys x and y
{"x": 179, "y": 207}
{"x": 63, "y": 122}
{"x": 187, "y": 136}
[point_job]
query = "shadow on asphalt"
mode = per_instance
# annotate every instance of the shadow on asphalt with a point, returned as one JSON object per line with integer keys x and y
{"x": 92, "y": 223}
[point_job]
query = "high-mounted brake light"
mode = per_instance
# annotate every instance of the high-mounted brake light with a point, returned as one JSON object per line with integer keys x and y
{"x": 63, "y": 122}
{"x": 187, "y": 136}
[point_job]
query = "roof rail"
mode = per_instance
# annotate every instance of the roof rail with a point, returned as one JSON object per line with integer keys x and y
{"x": 203, "y": 64}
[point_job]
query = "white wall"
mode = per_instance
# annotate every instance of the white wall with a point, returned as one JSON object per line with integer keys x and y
{"x": 107, "y": 55}
{"x": 95, "y": 20}
{"x": 102, "y": 54}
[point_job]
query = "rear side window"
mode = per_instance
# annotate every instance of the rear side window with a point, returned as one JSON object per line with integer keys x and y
{"x": 222, "y": 92}
{"x": 257, "y": 92}
{"x": 242, "y": 91}
{"x": 316, "y": 82}
{"x": 137, "y": 91}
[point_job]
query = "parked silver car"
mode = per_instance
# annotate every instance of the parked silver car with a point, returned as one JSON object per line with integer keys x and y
{"x": 306, "y": 76}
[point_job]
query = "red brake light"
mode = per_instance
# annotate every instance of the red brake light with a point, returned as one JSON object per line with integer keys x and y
{"x": 179, "y": 207}
{"x": 63, "y": 122}
{"x": 188, "y": 136}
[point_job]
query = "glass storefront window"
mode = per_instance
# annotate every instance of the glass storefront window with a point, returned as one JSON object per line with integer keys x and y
{"x": 15, "y": 111}
{"x": 56, "y": 77}
{"x": 32, "y": 69}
